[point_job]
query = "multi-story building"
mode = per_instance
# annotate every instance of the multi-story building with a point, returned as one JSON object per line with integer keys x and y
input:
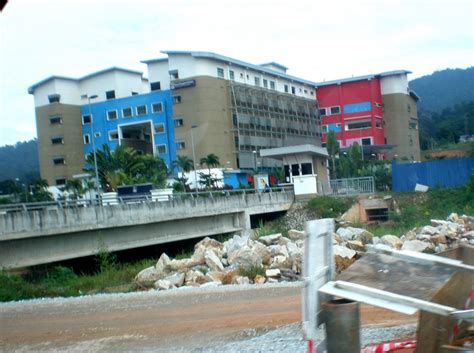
{"x": 376, "y": 111}
{"x": 233, "y": 108}
{"x": 196, "y": 103}
{"x": 124, "y": 111}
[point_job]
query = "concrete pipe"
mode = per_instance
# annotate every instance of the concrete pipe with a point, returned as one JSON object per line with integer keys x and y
{"x": 342, "y": 321}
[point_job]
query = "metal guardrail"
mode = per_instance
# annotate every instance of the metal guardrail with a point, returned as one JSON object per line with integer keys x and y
{"x": 144, "y": 198}
{"x": 347, "y": 187}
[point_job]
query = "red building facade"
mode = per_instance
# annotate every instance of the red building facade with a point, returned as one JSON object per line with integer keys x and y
{"x": 352, "y": 108}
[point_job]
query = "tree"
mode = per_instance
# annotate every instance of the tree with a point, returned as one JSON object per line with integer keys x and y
{"x": 186, "y": 165}
{"x": 211, "y": 160}
{"x": 332, "y": 145}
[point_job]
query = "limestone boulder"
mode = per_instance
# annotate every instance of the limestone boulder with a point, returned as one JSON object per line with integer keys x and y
{"x": 270, "y": 239}
{"x": 342, "y": 251}
{"x": 391, "y": 240}
{"x": 415, "y": 245}
{"x": 245, "y": 257}
{"x": 296, "y": 256}
{"x": 198, "y": 256}
{"x": 300, "y": 244}
{"x": 364, "y": 237}
{"x": 356, "y": 245}
{"x": 148, "y": 275}
{"x": 240, "y": 280}
{"x": 209, "y": 243}
{"x": 216, "y": 276}
{"x": 438, "y": 239}
{"x": 263, "y": 252}
{"x": 429, "y": 230}
{"x": 163, "y": 284}
{"x": 281, "y": 262}
{"x": 182, "y": 265}
{"x": 283, "y": 241}
{"x": 176, "y": 279}
{"x": 163, "y": 263}
{"x": 277, "y": 250}
{"x": 337, "y": 239}
{"x": 234, "y": 244}
{"x": 454, "y": 217}
{"x": 469, "y": 235}
{"x": 213, "y": 261}
{"x": 425, "y": 237}
{"x": 294, "y": 234}
{"x": 259, "y": 279}
{"x": 410, "y": 235}
{"x": 195, "y": 278}
{"x": 273, "y": 272}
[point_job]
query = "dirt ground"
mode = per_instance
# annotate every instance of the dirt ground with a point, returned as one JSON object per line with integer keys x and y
{"x": 158, "y": 321}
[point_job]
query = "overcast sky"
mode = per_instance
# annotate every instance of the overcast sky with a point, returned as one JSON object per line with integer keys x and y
{"x": 317, "y": 40}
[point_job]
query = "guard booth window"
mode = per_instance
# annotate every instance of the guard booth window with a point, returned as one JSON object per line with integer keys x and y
{"x": 306, "y": 168}
{"x": 287, "y": 173}
{"x": 295, "y": 169}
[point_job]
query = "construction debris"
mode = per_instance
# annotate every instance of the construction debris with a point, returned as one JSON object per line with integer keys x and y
{"x": 280, "y": 258}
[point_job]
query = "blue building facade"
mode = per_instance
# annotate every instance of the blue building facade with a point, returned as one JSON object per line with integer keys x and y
{"x": 144, "y": 122}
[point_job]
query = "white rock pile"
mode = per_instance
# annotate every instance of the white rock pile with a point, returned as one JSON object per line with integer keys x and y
{"x": 274, "y": 258}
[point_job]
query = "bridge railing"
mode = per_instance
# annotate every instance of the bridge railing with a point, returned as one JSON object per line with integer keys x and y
{"x": 104, "y": 202}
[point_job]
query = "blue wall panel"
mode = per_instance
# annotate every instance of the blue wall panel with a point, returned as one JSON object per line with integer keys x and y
{"x": 357, "y": 107}
{"x": 441, "y": 173}
{"x": 104, "y": 126}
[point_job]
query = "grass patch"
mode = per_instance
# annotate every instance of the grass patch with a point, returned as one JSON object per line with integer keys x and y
{"x": 59, "y": 281}
{"x": 267, "y": 228}
{"x": 251, "y": 272}
{"x": 330, "y": 207}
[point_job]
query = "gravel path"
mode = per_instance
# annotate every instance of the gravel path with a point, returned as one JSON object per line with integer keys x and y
{"x": 245, "y": 318}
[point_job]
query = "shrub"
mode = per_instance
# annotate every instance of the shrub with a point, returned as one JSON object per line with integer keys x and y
{"x": 251, "y": 271}
{"x": 329, "y": 207}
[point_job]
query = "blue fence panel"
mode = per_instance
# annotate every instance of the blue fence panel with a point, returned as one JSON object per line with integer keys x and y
{"x": 446, "y": 173}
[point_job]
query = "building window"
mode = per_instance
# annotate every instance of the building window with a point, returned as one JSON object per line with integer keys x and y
{"x": 311, "y": 92}
{"x": 160, "y": 149}
{"x": 180, "y": 145}
{"x": 257, "y": 81}
{"x": 134, "y": 93}
{"x": 112, "y": 115}
{"x": 413, "y": 124}
{"x": 231, "y": 75}
{"x": 113, "y": 135}
{"x": 159, "y": 128}
{"x": 408, "y": 108}
{"x": 60, "y": 181}
{"x": 110, "y": 94}
{"x": 265, "y": 83}
{"x": 127, "y": 112}
{"x": 410, "y": 141}
{"x": 322, "y": 111}
{"x": 87, "y": 139}
{"x": 174, "y": 74}
{"x": 306, "y": 168}
{"x": 155, "y": 86}
{"x": 220, "y": 72}
{"x": 378, "y": 123}
{"x": 54, "y": 98}
{"x": 324, "y": 129}
{"x": 59, "y": 160}
{"x": 241, "y": 75}
{"x": 157, "y": 107}
{"x": 176, "y": 99}
{"x": 358, "y": 125}
{"x": 86, "y": 119}
{"x": 305, "y": 91}
{"x": 366, "y": 141}
{"x": 293, "y": 90}
{"x": 97, "y": 134}
{"x": 286, "y": 88}
{"x": 141, "y": 110}
{"x": 335, "y": 110}
{"x": 53, "y": 120}
{"x": 178, "y": 122}
{"x": 58, "y": 140}
{"x": 272, "y": 84}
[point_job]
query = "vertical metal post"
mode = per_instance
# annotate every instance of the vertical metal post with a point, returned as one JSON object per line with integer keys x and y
{"x": 342, "y": 321}
{"x": 194, "y": 157}
{"x": 97, "y": 188}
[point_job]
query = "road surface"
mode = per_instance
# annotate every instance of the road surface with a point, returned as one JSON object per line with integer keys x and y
{"x": 160, "y": 321}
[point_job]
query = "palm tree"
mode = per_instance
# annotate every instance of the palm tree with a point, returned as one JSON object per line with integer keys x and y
{"x": 185, "y": 164}
{"x": 211, "y": 160}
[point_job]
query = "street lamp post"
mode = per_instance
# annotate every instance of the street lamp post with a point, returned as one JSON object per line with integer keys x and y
{"x": 255, "y": 161}
{"x": 93, "y": 144}
{"x": 193, "y": 126}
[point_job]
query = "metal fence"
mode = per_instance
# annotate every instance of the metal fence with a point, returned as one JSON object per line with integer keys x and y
{"x": 144, "y": 198}
{"x": 347, "y": 187}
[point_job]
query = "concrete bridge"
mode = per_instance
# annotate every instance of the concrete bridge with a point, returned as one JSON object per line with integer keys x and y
{"x": 47, "y": 235}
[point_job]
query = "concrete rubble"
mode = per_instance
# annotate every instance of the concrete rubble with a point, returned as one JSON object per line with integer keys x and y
{"x": 275, "y": 257}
